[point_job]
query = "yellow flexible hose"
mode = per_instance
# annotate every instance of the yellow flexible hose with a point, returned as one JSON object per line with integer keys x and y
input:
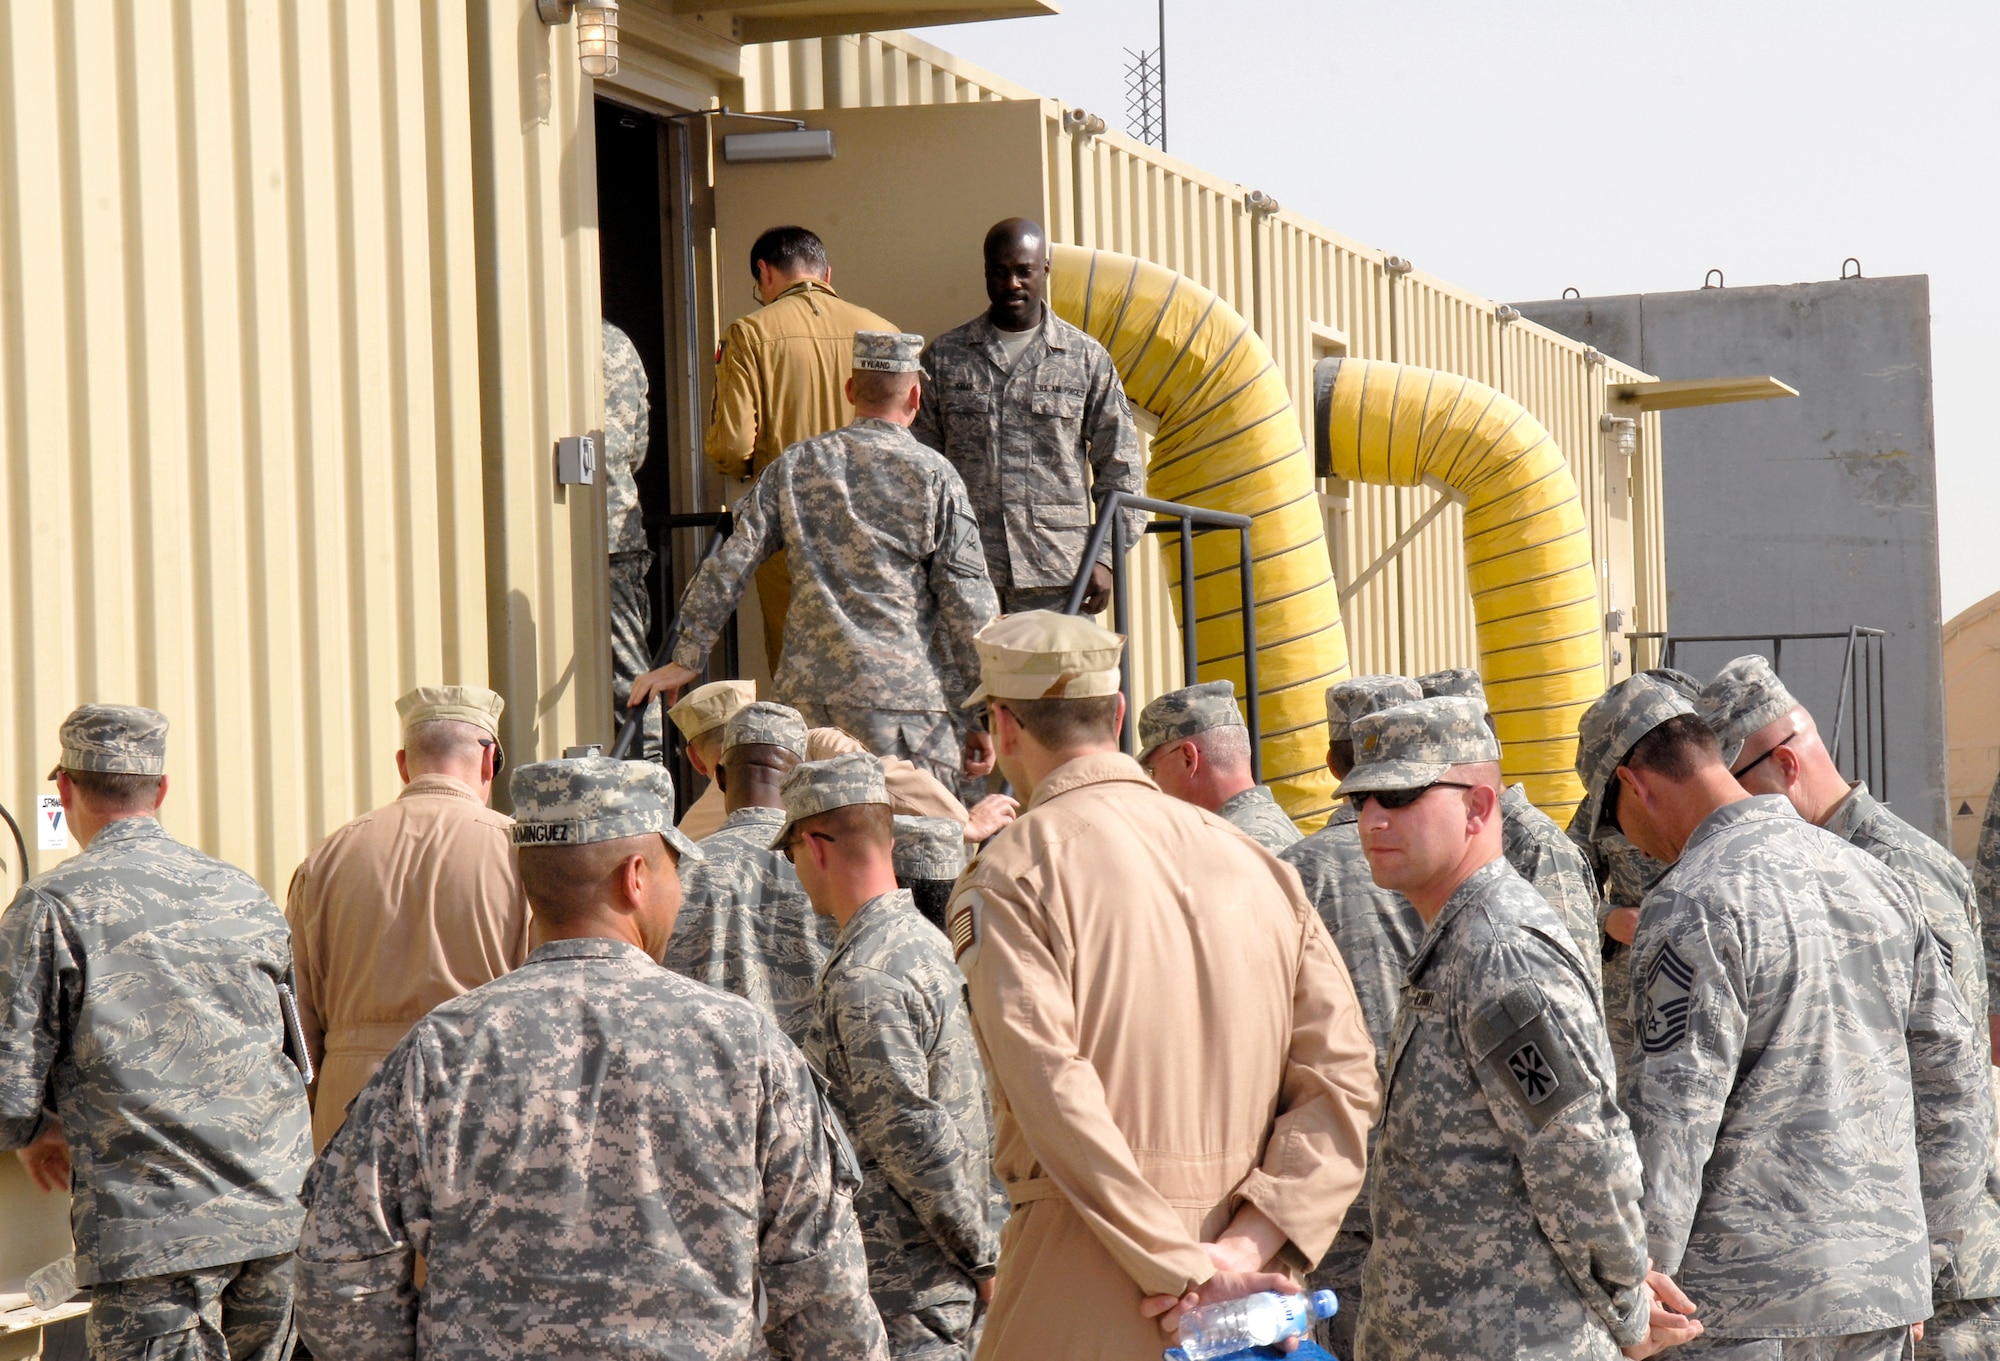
{"x": 1228, "y": 440}
{"x": 1527, "y": 546}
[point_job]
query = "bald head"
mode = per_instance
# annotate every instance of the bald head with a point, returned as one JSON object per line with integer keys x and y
{"x": 1017, "y": 273}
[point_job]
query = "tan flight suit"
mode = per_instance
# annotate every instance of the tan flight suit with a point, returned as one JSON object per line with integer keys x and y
{"x": 1168, "y": 1033}
{"x": 402, "y": 909}
{"x": 780, "y": 377}
{"x": 911, "y": 790}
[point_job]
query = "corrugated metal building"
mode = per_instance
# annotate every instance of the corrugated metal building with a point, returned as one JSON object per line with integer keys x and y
{"x": 295, "y": 301}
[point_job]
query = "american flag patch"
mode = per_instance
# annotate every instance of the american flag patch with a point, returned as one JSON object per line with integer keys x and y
{"x": 962, "y": 923}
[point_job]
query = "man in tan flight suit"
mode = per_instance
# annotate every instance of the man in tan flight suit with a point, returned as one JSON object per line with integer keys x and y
{"x": 704, "y": 710}
{"x": 410, "y": 905}
{"x": 780, "y": 377}
{"x": 1181, "y": 1077}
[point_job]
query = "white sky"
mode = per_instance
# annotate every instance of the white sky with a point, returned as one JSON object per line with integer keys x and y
{"x": 1517, "y": 149}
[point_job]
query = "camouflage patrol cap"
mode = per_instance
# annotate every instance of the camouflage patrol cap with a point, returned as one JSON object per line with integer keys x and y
{"x": 1745, "y": 697}
{"x": 707, "y": 707}
{"x": 1453, "y": 680}
{"x": 113, "y": 739}
{"x": 473, "y": 704}
{"x": 581, "y": 800}
{"x": 1612, "y": 726}
{"x": 815, "y": 787}
{"x": 1350, "y": 699}
{"x": 1411, "y": 745}
{"x": 1185, "y": 712}
{"x": 887, "y": 351}
{"x": 929, "y": 848}
{"x": 768, "y": 724}
{"x": 1039, "y": 654}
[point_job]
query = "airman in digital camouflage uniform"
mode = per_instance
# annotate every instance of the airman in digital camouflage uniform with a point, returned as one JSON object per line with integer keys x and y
{"x": 895, "y": 1044}
{"x": 1791, "y": 1007}
{"x": 1773, "y": 747}
{"x": 1376, "y": 931}
{"x": 627, "y": 436}
{"x": 1535, "y": 843}
{"x": 1986, "y": 890}
{"x": 1506, "y": 1183}
{"x": 884, "y": 553}
{"x": 1031, "y": 412}
{"x": 745, "y": 925}
{"x": 143, "y": 1064}
{"x": 593, "y": 1155}
{"x": 1195, "y": 745}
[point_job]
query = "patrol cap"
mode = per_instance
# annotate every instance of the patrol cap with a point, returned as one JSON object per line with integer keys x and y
{"x": 707, "y": 707}
{"x": 113, "y": 739}
{"x": 1411, "y": 745}
{"x": 1349, "y": 699}
{"x": 581, "y": 800}
{"x": 1613, "y": 726}
{"x": 1185, "y": 712}
{"x": 815, "y": 787}
{"x": 766, "y": 724}
{"x": 1039, "y": 654}
{"x": 1745, "y": 697}
{"x": 929, "y": 848}
{"x": 473, "y": 704}
{"x": 1453, "y": 680}
{"x": 887, "y": 351}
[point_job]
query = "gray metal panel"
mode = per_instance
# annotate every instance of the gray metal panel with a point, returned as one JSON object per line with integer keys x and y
{"x": 1804, "y": 514}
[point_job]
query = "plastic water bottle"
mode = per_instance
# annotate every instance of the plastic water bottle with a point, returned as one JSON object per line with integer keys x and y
{"x": 1254, "y": 1321}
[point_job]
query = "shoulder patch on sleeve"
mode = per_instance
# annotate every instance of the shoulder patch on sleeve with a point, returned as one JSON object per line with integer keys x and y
{"x": 1669, "y": 982}
{"x": 962, "y": 924}
{"x": 1519, "y": 1044}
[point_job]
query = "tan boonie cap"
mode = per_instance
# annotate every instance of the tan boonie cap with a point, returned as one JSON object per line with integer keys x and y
{"x": 473, "y": 704}
{"x": 1745, "y": 697}
{"x": 815, "y": 787}
{"x": 765, "y": 724}
{"x": 1039, "y": 654}
{"x": 1612, "y": 726}
{"x": 929, "y": 848}
{"x": 1462, "y": 681}
{"x": 1415, "y": 744}
{"x": 887, "y": 351}
{"x": 1187, "y": 712}
{"x": 1349, "y": 699}
{"x": 113, "y": 739}
{"x": 707, "y": 707}
{"x": 582, "y": 800}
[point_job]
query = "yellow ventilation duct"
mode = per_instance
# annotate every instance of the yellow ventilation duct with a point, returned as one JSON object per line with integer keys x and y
{"x": 1527, "y": 547}
{"x": 1228, "y": 440}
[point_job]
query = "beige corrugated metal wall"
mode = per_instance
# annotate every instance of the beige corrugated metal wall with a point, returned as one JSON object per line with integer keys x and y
{"x": 256, "y": 258}
{"x": 1310, "y": 292}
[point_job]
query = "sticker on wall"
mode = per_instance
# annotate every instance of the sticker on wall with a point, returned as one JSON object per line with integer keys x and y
{"x": 52, "y": 823}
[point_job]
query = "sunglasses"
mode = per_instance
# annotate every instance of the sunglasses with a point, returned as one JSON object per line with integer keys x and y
{"x": 792, "y": 843}
{"x": 1402, "y": 798}
{"x": 1739, "y": 774}
{"x": 499, "y": 754}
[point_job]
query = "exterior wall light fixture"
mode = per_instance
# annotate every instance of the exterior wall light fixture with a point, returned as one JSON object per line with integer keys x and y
{"x": 596, "y": 31}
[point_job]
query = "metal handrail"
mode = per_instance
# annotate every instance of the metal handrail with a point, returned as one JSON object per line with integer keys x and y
{"x": 720, "y": 526}
{"x": 1185, "y": 521}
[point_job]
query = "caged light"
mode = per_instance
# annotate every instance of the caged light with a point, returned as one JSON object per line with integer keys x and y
{"x": 596, "y": 31}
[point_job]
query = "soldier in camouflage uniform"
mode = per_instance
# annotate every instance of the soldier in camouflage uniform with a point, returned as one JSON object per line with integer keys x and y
{"x": 1774, "y": 747}
{"x": 929, "y": 857}
{"x": 894, "y": 1042}
{"x": 1986, "y": 894}
{"x": 143, "y": 1063}
{"x": 627, "y": 434}
{"x": 1535, "y": 843}
{"x": 1791, "y": 1007}
{"x": 883, "y": 553}
{"x": 593, "y": 1155}
{"x": 1195, "y": 745}
{"x": 745, "y": 925}
{"x": 1506, "y": 1184}
{"x": 1376, "y": 931}
{"x": 1031, "y": 412}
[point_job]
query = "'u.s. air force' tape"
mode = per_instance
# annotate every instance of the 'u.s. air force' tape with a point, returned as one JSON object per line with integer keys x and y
{"x": 1669, "y": 982}
{"x": 961, "y": 923}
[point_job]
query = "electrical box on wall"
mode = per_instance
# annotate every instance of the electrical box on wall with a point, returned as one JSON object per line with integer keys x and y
{"x": 576, "y": 461}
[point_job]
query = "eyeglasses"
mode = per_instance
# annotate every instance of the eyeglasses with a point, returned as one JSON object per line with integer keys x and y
{"x": 1402, "y": 798}
{"x": 1739, "y": 774}
{"x": 792, "y": 843}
